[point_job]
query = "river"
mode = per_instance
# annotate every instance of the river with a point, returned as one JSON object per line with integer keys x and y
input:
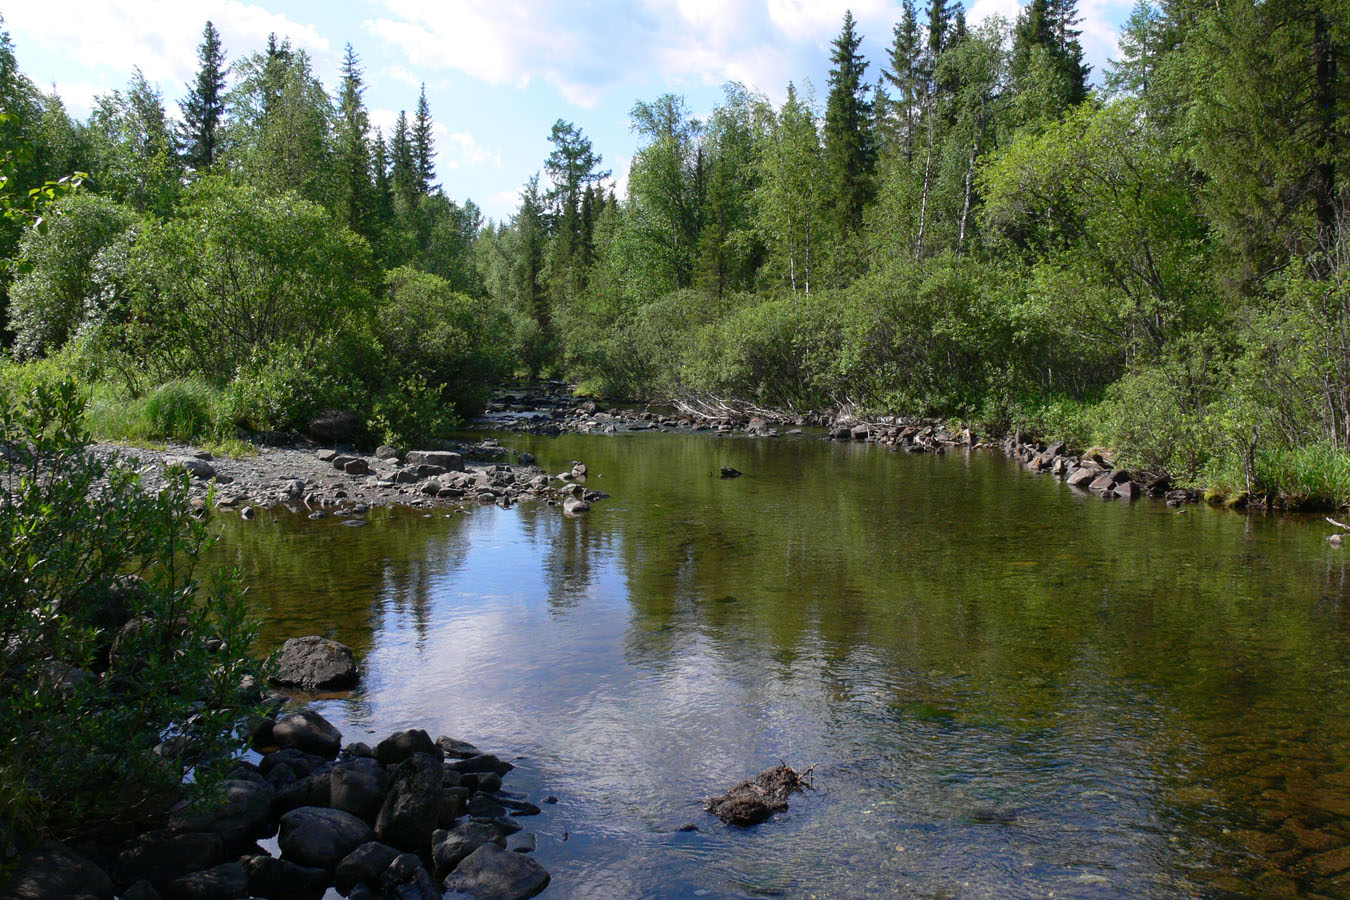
{"x": 1008, "y": 688}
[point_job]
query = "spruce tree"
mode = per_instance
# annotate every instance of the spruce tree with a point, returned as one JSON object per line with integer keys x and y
{"x": 905, "y": 76}
{"x": 356, "y": 190}
{"x": 424, "y": 146}
{"x": 403, "y": 163}
{"x": 205, "y": 104}
{"x": 850, "y": 158}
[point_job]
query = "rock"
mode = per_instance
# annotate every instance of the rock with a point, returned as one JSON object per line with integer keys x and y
{"x": 313, "y": 836}
{"x": 484, "y": 762}
{"x": 407, "y": 879}
{"x": 224, "y": 882}
{"x": 521, "y": 843}
{"x": 240, "y": 812}
{"x": 753, "y": 801}
{"x": 1103, "y": 483}
{"x": 340, "y": 461}
{"x": 384, "y": 451}
{"x": 579, "y": 470}
{"x": 309, "y": 732}
{"x": 1126, "y": 490}
{"x": 412, "y": 807}
{"x": 456, "y": 749}
{"x": 281, "y": 879}
{"x": 314, "y": 663}
{"x": 447, "y": 460}
{"x": 197, "y": 468}
{"x": 312, "y": 790}
{"x": 141, "y": 890}
{"x": 161, "y": 856}
{"x": 357, "y": 467}
{"x": 493, "y": 873}
{"x": 402, "y": 745}
{"x": 358, "y": 786}
{"x": 300, "y": 763}
{"x": 246, "y": 513}
{"x": 573, "y": 505}
{"x": 51, "y": 870}
{"x": 365, "y": 863}
{"x": 334, "y": 426}
{"x": 729, "y": 472}
{"x": 449, "y": 847}
{"x": 859, "y": 432}
{"x": 525, "y": 458}
{"x": 326, "y": 455}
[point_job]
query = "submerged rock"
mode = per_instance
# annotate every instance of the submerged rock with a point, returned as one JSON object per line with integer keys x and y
{"x": 753, "y": 801}
{"x": 493, "y": 873}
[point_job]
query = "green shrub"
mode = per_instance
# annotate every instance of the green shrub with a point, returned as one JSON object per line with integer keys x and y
{"x": 411, "y": 414}
{"x": 182, "y": 411}
{"x": 111, "y": 643}
{"x": 284, "y": 388}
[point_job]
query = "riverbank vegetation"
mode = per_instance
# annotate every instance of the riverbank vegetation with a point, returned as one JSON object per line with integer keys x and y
{"x": 1152, "y": 258}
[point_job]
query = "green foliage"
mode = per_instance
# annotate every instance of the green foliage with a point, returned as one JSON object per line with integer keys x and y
{"x": 240, "y": 275}
{"x": 411, "y": 413}
{"x": 61, "y": 289}
{"x": 112, "y": 643}
{"x": 283, "y": 388}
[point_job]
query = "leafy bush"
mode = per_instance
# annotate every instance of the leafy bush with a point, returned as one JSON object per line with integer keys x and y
{"x": 238, "y": 273}
{"x": 454, "y": 342}
{"x": 411, "y": 413}
{"x": 283, "y": 388}
{"x": 112, "y": 646}
{"x": 51, "y": 300}
{"x": 181, "y": 411}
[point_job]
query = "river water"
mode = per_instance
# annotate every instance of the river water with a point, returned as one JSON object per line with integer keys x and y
{"x": 1008, "y": 688}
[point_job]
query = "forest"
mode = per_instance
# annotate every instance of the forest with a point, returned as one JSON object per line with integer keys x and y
{"x": 1152, "y": 258}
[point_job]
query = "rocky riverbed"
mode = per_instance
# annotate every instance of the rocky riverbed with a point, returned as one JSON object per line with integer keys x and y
{"x": 344, "y": 482}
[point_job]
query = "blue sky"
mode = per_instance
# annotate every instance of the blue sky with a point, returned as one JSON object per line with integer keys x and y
{"x": 497, "y": 73}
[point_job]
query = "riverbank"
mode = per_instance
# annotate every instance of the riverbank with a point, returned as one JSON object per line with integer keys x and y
{"x": 321, "y": 482}
{"x": 550, "y": 409}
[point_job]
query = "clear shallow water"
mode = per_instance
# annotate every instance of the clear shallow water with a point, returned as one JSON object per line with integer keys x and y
{"x": 1009, "y": 689}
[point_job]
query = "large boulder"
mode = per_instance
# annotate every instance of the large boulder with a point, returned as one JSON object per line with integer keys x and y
{"x": 313, "y": 836}
{"x": 227, "y": 881}
{"x": 50, "y": 871}
{"x": 451, "y": 462}
{"x": 239, "y": 812}
{"x": 281, "y": 879}
{"x": 493, "y": 873}
{"x": 314, "y": 663}
{"x": 411, "y": 810}
{"x": 407, "y": 879}
{"x": 358, "y": 786}
{"x": 448, "y": 848}
{"x": 364, "y": 864}
{"x": 402, "y": 745}
{"x": 309, "y": 732}
{"x": 162, "y": 856}
{"x": 334, "y": 426}
{"x": 197, "y": 468}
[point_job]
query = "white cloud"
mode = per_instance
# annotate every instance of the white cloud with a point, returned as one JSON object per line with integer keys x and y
{"x": 456, "y": 149}
{"x": 160, "y": 36}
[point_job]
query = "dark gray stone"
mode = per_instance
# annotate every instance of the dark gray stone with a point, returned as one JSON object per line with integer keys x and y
{"x": 357, "y": 467}
{"x": 493, "y": 873}
{"x": 197, "y": 468}
{"x": 412, "y": 807}
{"x": 240, "y": 812}
{"x": 483, "y": 762}
{"x": 402, "y": 745}
{"x": 450, "y": 462}
{"x": 334, "y": 426}
{"x": 407, "y": 879}
{"x": 312, "y": 836}
{"x": 364, "y": 864}
{"x": 141, "y": 890}
{"x": 456, "y": 749}
{"x": 52, "y": 870}
{"x": 162, "y": 856}
{"x": 314, "y": 663}
{"x": 358, "y": 786}
{"x": 224, "y": 882}
{"x": 449, "y": 847}
{"x": 313, "y": 790}
{"x": 281, "y": 879}
{"x": 309, "y": 732}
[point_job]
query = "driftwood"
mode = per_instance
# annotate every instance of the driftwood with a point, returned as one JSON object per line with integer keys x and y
{"x": 753, "y": 801}
{"x": 1340, "y": 525}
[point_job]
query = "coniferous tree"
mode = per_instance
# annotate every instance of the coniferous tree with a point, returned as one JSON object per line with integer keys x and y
{"x": 384, "y": 189}
{"x": 850, "y": 158}
{"x": 205, "y": 104}
{"x": 905, "y": 77}
{"x": 355, "y": 187}
{"x": 424, "y": 145}
{"x": 403, "y": 163}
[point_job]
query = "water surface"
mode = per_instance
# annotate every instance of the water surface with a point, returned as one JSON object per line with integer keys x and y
{"x": 1008, "y": 688}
